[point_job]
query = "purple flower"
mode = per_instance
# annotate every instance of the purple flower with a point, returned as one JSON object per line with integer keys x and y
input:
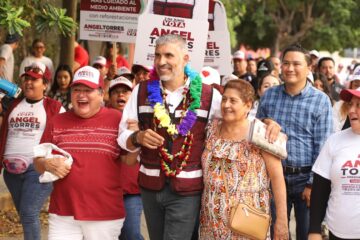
{"x": 187, "y": 123}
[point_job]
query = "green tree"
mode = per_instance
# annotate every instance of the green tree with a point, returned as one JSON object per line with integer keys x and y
{"x": 324, "y": 25}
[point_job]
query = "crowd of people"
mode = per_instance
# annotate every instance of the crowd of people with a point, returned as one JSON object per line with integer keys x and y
{"x": 172, "y": 143}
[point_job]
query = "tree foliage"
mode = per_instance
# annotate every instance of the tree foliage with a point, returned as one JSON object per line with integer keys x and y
{"x": 324, "y": 25}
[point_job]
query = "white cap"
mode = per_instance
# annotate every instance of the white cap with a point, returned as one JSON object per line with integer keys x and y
{"x": 123, "y": 70}
{"x": 225, "y": 79}
{"x": 355, "y": 75}
{"x": 209, "y": 75}
{"x": 99, "y": 60}
{"x": 314, "y": 53}
{"x": 120, "y": 81}
{"x": 239, "y": 55}
{"x": 88, "y": 76}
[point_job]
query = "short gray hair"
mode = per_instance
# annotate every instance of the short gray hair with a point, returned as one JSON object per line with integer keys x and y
{"x": 172, "y": 38}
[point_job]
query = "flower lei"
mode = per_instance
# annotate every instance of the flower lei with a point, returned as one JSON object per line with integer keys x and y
{"x": 161, "y": 114}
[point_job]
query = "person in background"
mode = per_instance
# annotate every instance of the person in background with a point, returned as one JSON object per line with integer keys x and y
{"x": 305, "y": 115}
{"x": 277, "y": 66}
{"x": 141, "y": 73}
{"x": 37, "y": 55}
{"x": 120, "y": 61}
{"x": 335, "y": 193}
{"x": 60, "y": 89}
{"x": 240, "y": 68}
{"x": 341, "y": 108}
{"x": 247, "y": 169}
{"x": 120, "y": 91}
{"x": 87, "y": 200}
{"x": 314, "y": 56}
{"x": 23, "y": 126}
{"x": 321, "y": 83}
{"x": 99, "y": 63}
{"x": 7, "y": 56}
{"x": 251, "y": 66}
{"x": 326, "y": 66}
{"x": 81, "y": 56}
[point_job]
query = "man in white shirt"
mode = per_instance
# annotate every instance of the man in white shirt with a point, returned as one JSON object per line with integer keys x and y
{"x": 170, "y": 191}
{"x": 7, "y": 56}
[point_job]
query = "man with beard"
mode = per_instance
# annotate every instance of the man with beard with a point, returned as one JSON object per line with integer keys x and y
{"x": 326, "y": 66}
{"x": 170, "y": 192}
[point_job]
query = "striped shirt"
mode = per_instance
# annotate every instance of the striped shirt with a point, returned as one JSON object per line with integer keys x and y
{"x": 306, "y": 118}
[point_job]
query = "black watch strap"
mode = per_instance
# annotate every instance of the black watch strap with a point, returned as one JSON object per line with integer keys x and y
{"x": 133, "y": 139}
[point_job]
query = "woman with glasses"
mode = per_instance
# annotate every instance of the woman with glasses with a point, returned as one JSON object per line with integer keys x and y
{"x": 22, "y": 128}
{"x": 38, "y": 49}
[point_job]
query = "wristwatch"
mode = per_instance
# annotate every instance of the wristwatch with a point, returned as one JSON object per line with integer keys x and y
{"x": 133, "y": 139}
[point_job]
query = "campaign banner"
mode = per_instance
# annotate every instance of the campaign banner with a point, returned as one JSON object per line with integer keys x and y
{"x": 218, "y": 52}
{"x": 152, "y": 26}
{"x": 218, "y": 49}
{"x": 110, "y": 20}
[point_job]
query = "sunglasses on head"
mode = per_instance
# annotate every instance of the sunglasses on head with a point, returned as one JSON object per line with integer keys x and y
{"x": 33, "y": 69}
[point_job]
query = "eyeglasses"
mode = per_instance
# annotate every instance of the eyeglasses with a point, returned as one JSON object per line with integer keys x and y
{"x": 98, "y": 66}
{"x": 33, "y": 69}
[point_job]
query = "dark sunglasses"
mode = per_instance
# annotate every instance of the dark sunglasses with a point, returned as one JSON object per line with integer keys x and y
{"x": 33, "y": 69}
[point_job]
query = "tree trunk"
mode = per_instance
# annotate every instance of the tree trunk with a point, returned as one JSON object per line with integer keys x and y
{"x": 67, "y": 43}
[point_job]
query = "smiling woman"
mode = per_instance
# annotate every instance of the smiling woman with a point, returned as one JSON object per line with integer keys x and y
{"x": 336, "y": 179}
{"x": 23, "y": 126}
{"x": 228, "y": 155}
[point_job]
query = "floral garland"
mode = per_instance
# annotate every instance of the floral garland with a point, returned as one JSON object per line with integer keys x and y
{"x": 160, "y": 113}
{"x": 156, "y": 100}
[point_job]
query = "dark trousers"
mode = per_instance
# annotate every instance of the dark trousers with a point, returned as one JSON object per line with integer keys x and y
{"x": 170, "y": 216}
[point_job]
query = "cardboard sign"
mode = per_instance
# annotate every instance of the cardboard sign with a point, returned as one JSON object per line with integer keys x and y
{"x": 109, "y": 20}
{"x": 194, "y": 31}
{"x": 218, "y": 52}
{"x": 218, "y": 49}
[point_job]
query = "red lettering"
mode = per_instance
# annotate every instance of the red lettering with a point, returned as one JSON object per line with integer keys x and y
{"x": 211, "y": 45}
{"x": 347, "y": 164}
{"x": 155, "y": 32}
{"x": 357, "y": 163}
{"x": 18, "y": 119}
{"x": 12, "y": 120}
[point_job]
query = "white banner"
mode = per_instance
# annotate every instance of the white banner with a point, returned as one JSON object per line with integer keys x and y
{"x": 109, "y": 20}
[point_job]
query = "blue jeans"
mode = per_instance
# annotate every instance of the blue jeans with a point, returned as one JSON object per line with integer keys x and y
{"x": 169, "y": 215}
{"x": 133, "y": 207}
{"x": 29, "y": 196}
{"x": 295, "y": 185}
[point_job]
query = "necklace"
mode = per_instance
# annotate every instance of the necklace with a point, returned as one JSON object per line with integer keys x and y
{"x": 160, "y": 112}
{"x": 157, "y": 99}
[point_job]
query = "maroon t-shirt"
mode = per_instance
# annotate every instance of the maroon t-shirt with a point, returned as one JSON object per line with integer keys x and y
{"x": 93, "y": 188}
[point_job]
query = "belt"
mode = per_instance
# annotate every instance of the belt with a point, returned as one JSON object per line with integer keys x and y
{"x": 296, "y": 170}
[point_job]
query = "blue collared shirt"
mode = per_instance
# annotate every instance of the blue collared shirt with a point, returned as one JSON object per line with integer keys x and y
{"x": 306, "y": 118}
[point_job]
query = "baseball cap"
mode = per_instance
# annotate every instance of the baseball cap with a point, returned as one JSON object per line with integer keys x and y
{"x": 37, "y": 70}
{"x": 230, "y": 77}
{"x": 314, "y": 53}
{"x": 137, "y": 67}
{"x": 124, "y": 71}
{"x": 120, "y": 81}
{"x": 209, "y": 75}
{"x": 355, "y": 75}
{"x": 347, "y": 94}
{"x": 239, "y": 55}
{"x": 264, "y": 66}
{"x": 89, "y": 76}
{"x": 99, "y": 60}
{"x": 11, "y": 38}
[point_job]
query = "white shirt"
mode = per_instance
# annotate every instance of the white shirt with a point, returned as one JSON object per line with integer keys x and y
{"x": 339, "y": 162}
{"x": 172, "y": 98}
{"x": 6, "y": 52}
{"x": 31, "y": 59}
